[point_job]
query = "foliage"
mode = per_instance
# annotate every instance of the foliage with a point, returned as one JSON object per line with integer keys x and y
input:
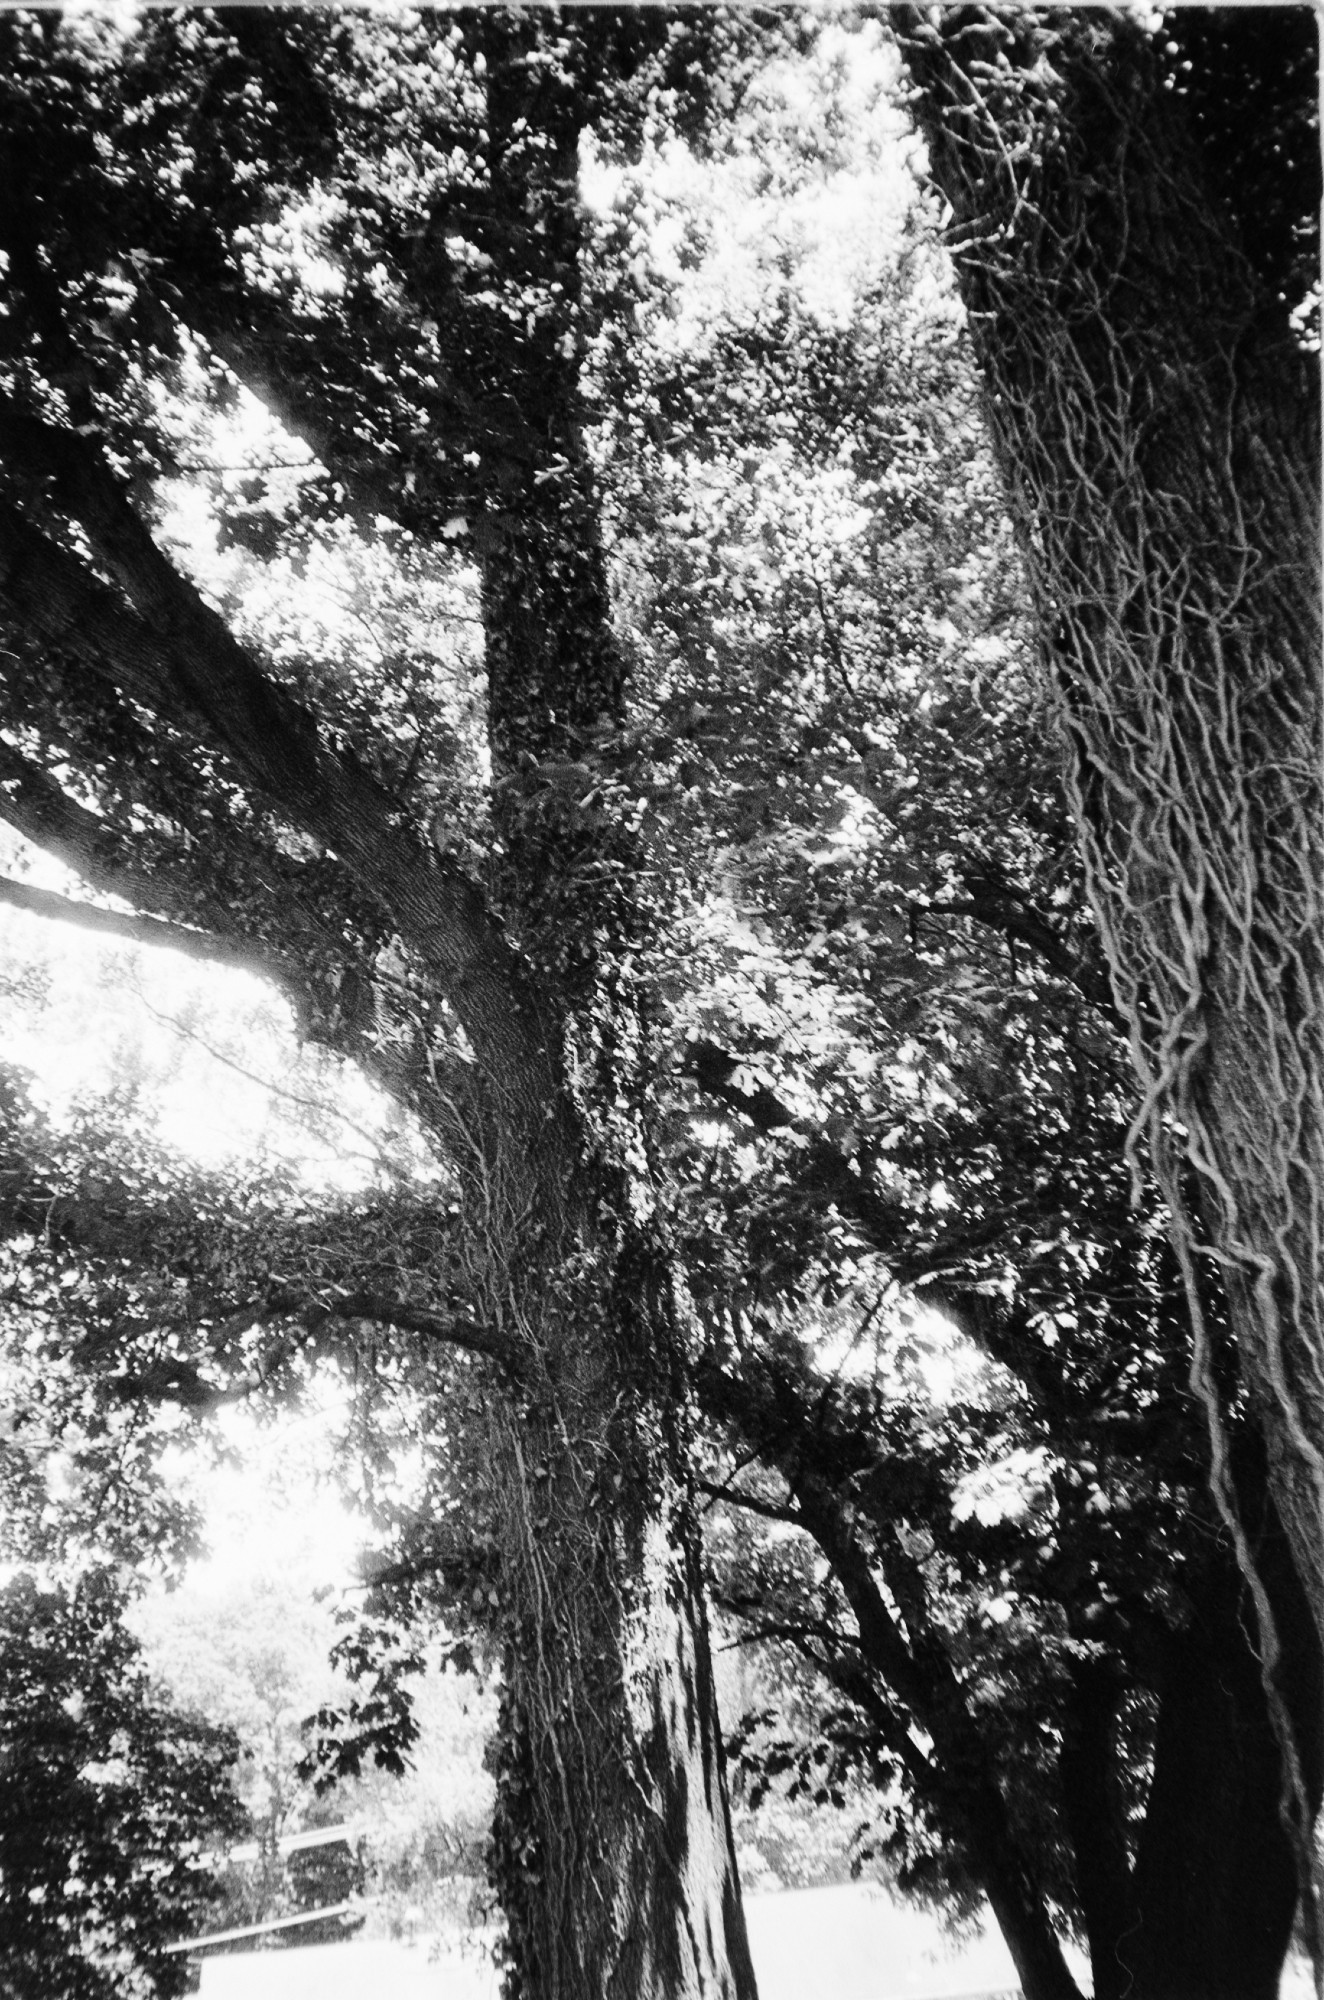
{"x": 426, "y": 1831}
{"x": 112, "y": 1798}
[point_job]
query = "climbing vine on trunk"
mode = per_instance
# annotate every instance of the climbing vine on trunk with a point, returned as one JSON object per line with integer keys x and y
{"x": 1157, "y": 424}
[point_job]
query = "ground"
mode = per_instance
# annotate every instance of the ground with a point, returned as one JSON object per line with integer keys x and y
{"x": 831, "y": 1944}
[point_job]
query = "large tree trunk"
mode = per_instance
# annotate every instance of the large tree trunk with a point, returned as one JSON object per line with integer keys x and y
{"x": 613, "y": 1853}
{"x": 1157, "y": 425}
{"x": 1203, "y": 1909}
{"x": 612, "y": 1850}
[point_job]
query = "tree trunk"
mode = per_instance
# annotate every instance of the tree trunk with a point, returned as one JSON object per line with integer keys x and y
{"x": 971, "y": 1797}
{"x": 1016, "y": 1901}
{"x": 612, "y": 1852}
{"x": 1157, "y": 425}
{"x": 1216, "y": 1871}
{"x": 1096, "y": 1820}
{"x": 769, "y": 1416}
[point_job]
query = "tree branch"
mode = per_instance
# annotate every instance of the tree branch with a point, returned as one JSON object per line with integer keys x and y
{"x": 175, "y": 655}
{"x": 786, "y": 1632}
{"x": 734, "y": 1496}
{"x": 257, "y": 343}
{"x": 917, "y": 1669}
{"x": 204, "y": 945}
{"x": 185, "y": 1383}
{"x": 713, "y": 1068}
{"x": 188, "y": 1033}
{"x": 454, "y": 1330}
{"x": 1000, "y": 908}
{"x": 38, "y": 807}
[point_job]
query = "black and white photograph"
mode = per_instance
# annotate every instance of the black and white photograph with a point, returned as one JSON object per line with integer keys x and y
{"x": 661, "y": 1002}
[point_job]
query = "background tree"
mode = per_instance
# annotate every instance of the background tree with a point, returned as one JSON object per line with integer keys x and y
{"x": 111, "y": 1800}
{"x": 257, "y": 1657}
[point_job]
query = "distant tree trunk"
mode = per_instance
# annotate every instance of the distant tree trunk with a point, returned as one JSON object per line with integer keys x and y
{"x": 771, "y": 1413}
{"x": 1128, "y": 279}
{"x": 1095, "y": 1814}
{"x": 613, "y": 1853}
{"x": 1216, "y": 1875}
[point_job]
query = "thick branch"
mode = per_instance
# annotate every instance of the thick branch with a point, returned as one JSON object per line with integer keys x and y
{"x": 168, "y": 889}
{"x": 176, "y": 657}
{"x": 39, "y": 808}
{"x": 273, "y": 360}
{"x": 205, "y": 945}
{"x": 184, "y": 1383}
{"x": 175, "y": 1381}
{"x": 1000, "y": 909}
{"x": 372, "y": 483}
{"x": 735, "y": 1496}
{"x": 455, "y": 1330}
{"x": 835, "y": 1174}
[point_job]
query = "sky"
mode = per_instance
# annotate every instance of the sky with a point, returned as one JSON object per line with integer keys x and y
{"x": 275, "y": 1514}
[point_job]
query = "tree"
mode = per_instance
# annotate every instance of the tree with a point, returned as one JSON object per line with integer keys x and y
{"x": 110, "y": 1800}
{"x": 260, "y": 816}
{"x": 1135, "y": 279}
{"x": 1036, "y": 1646}
{"x": 257, "y": 1658}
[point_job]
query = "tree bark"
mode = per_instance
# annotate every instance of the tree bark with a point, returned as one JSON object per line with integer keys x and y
{"x": 612, "y": 1850}
{"x": 1216, "y": 1870}
{"x": 1158, "y": 428}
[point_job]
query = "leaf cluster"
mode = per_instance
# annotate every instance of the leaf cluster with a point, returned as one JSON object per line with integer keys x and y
{"x": 111, "y": 1800}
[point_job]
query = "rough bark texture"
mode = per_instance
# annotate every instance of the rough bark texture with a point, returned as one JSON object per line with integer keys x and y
{"x": 612, "y": 1849}
{"x": 1159, "y": 431}
{"x": 1157, "y": 424}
